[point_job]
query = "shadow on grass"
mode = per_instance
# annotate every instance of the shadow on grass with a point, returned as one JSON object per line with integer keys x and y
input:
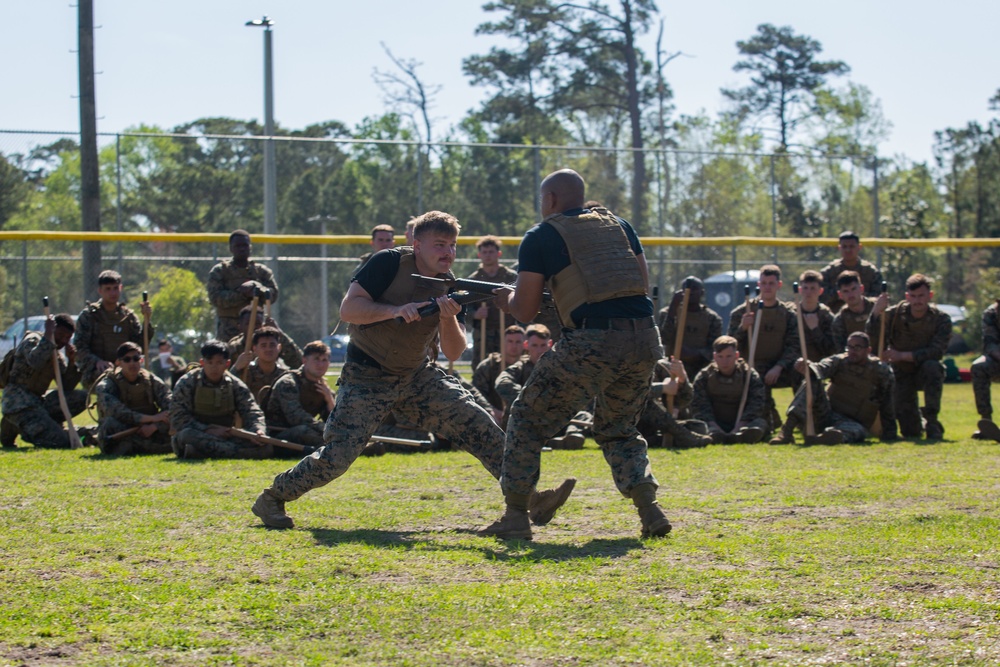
{"x": 513, "y": 550}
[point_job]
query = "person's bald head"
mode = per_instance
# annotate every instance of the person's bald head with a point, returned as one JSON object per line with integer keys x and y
{"x": 561, "y": 190}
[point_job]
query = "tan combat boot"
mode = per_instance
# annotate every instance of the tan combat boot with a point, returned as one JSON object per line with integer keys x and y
{"x": 271, "y": 510}
{"x": 654, "y": 521}
{"x": 542, "y": 505}
{"x": 515, "y": 523}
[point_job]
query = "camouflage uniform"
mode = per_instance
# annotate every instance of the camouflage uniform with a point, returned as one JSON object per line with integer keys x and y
{"x": 717, "y": 398}
{"x": 857, "y": 394}
{"x": 230, "y": 397}
{"x": 292, "y": 410}
{"x": 608, "y": 348}
{"x": 701, "y": 328}
{"x": 223, "y": 291}
{"x": 291, "y": 353}
{"x": 777, "y": 345}
{"x": 819, "y": 340}
{"x": 27, "y": 409}
{"x": 509, "y": 384}
{"x": 370, "y": 389}
{"x": 493, "y": 342}
{"x": 871, "y": 278}
{"x": 847, "y": 322}
{"x": 927, "y": 338}
{"x": 257, "y": 379}
{"x": 121, "y": 404}
{"x": 656, "y": 421}
{"x": 986, "y": 369}
{"x": 98, "y": 335}
{"x": 484, "y": 378}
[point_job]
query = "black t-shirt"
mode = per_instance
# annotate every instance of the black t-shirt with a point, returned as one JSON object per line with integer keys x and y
{"x": 379, "y": 272}
{"x": 544, "y": 251}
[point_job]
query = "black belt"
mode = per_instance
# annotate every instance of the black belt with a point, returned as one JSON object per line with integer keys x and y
{"x": 617, "y": 323}
{"x": 355, "y": 355}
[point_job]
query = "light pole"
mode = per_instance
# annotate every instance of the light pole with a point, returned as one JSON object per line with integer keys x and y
{"x": 270, "y": 174}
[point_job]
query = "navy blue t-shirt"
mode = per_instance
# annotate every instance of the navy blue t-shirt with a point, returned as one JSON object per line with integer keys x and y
{"x": 379, "y": 272}
{"x": 544, "y": 251}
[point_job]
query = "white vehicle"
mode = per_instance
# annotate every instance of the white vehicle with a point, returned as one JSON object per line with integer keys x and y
{"x": 15, "y": 332}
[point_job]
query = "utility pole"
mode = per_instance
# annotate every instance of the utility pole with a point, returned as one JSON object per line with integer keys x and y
{"x": 270, "y": 170}
{"x": 90, "y": 184}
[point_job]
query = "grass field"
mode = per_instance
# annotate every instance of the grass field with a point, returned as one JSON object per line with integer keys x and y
{"x": 856, "y": 554}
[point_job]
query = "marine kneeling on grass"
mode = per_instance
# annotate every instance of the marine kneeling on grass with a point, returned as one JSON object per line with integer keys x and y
{"x": 28, "y": 410}
{"x": 133, "y": 407}
{"x": 204, "y": 407}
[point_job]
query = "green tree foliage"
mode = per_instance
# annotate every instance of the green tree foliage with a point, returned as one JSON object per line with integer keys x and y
{"x": 180, "y": 306}
{"x": 785, "y": 76}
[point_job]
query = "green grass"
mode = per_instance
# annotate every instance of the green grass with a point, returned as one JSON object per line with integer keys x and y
{"x": 857, "y": 554}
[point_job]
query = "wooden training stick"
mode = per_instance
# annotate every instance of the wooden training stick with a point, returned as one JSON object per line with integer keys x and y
{"x": 503, "y": 325}
{"x": 248, "y": 343}
{"x": 753, "y": 348}
{"x": 800, "y": 316}
{"x": 881, "y": 325}
{"x": 679, "y": 340}
{"x": 145, "y": 334}
{"x": 285, "y": 444}
{"x": 74, "y": 438}
{"x": 482, "y": 340}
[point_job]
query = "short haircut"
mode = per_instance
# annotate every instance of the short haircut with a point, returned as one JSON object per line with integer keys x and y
{"x": 245, "y": 311}
{"x": 722, "y": 342}
{"x": 916, "y": 281}
{"x": 316, "y": 347}
{"x": 539, "y": 330}
{"x": 849, "y": 236}
{"x": 861, "y": 335}
{"x": 382, "y": 228}
{"x": 513, "y": 329}
{"x": 109, "y": 277}
{"x": 489, "y": 240}
{"x": 266, "y": 332}
{"x": 162, "y": 342}
{"x": 848, "y": 278}
{"x": 239, "y": 232}
{"x": 811, "y": 276}
{"x": 437, "y": 223}
{"x": 692, "y": 281}
{"x": 126, "y": 347}
{"x": 770, "y": 270}
{"x": 65, "y": 320}
{"x": 214, "y": 348}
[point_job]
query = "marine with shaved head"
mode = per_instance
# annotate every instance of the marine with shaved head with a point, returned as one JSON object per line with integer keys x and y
{"x": 593, "y": 264}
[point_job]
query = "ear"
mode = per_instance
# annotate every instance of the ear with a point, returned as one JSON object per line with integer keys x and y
{"x": 229, "y": 362}
{"x": 201, "y": 362}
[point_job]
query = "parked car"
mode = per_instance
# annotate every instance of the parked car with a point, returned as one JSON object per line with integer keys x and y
{"x": 338, "y": 346}
{"x": 15, "y": 332}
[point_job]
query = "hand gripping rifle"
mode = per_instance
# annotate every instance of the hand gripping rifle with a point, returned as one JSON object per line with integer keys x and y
{"x": 679, "y": 340}
{"x": 74, "y": 437}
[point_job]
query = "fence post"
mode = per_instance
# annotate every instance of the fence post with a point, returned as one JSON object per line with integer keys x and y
{"x": 876, "y": 228}
{"x": 536, "y": 155}
{"x": 24, "y": 281}
{"x": 118, "y": 199}
{"x": 774, "y": 211}
{"x": 420, "y": 179}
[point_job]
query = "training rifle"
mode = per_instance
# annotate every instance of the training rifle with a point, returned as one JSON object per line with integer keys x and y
{"x": 74, "y": 437}
{"x": 248, "y": 343}
{"x": 800, "y": 317}
{"x": 305, "y": 449}
{"x": 145, "y": 334}
{"x": 753, "y": 346}
{"x": 679, "y": 340}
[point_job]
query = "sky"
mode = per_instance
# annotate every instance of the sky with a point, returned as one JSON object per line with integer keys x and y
{"x": 932, "y": 65}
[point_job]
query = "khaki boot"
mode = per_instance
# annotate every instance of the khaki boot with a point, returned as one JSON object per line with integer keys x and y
{"x": 542, "y": 506}
{"x": 654, "y": 521}
{"x": 271, "y": 511}
{"x": 514, "y": 524}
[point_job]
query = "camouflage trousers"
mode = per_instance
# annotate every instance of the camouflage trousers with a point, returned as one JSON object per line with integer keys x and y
{"x": 614, "y": 366}
{"x": 984, "y": 371}
{"x": 656, "y": 421}
{"x": 823, "y": 414}
{"x": 310, "y": 435}
{"x": 210, "y": 446}
{"x": 158, "y": 443}
{"x": 929, "y": 378}
{"x": 788, "y": 378}
{"x": 41, "y": 423}
{"x": 428, "y": 396}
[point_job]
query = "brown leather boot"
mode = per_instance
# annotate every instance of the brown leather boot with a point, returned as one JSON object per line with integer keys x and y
{"x": 542, "y": 505}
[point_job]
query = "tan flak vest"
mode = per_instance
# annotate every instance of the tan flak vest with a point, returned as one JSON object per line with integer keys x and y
{"x": 35, "y": 381}
{"x": 312, "y": 401}
{"x": 110, "y": 331}
{"x": 854, "y": 322}
{"x": 398, "y": 347}
{"x": 906, "y": 333}
{"x": 695, "y": 333}
{"x": 215, "y": 405}
{"x": 137, "y": 396}
{"x": 850, "y": 392}
{"x": 771, "y": 337}
{"x": 602, "y": 265}
{"x": 725, "y": 393}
